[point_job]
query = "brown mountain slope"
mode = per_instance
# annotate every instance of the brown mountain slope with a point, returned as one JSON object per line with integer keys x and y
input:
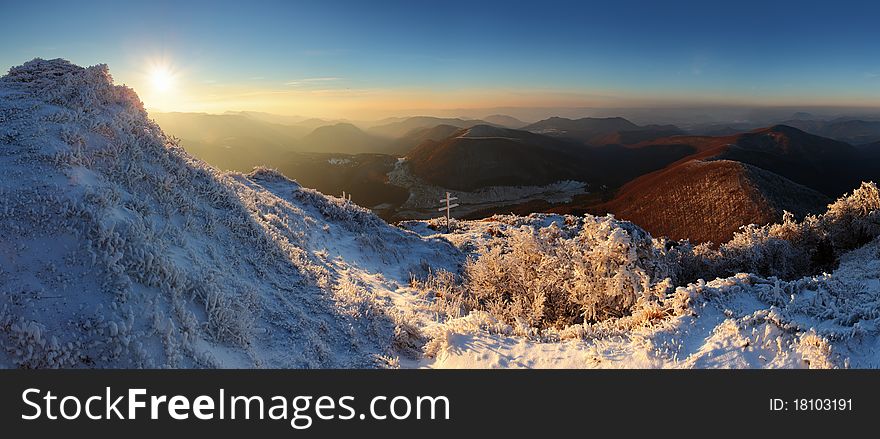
{"x": 630, "y": 137}
{"x": 342, "y": 138}
{"x": 400, "y": 128}
{"x": 827, "y": 165}
{"x": 601, "y": 131}
{"x": 484, "y": 155}
{"x": 487, "y": 156}
{"x": 417, "y": 136}
{"x": 709, "y": 200}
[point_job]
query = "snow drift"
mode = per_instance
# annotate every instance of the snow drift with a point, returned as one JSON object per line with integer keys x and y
{"x": 119, "y": 249}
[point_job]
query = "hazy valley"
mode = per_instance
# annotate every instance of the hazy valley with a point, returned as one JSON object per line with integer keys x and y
{"x": 401, "y": 167}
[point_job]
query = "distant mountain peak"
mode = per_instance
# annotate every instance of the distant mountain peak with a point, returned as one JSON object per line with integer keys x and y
{"x": 341, "y": 126}
{"x": 505, "y": 121}
{"x": 785, "y": 129}
{"x": 484, "y": 131}
{"x": 710, "y": 200}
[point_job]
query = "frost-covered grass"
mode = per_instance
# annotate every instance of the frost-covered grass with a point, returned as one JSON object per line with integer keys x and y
{"x": 594, "y": 269}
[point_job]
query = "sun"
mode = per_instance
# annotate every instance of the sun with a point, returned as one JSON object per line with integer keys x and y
{"x": 162, "y": 79}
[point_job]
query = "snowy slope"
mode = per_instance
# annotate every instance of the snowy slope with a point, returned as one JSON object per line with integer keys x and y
{"x": 119, "y": 249}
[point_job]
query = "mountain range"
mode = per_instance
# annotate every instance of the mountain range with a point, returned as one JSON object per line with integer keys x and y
{"x": 631, "y": 170}
{"x": 484, "y": 155}
{"x": 849, "y": 130}
{"x": 601, "y": 131}
{"x": 730, "y": 181}
{"x": 400, "y": 128}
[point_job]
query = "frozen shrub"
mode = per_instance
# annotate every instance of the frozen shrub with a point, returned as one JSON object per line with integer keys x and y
{"x": 446, "y": 292}
{"x": 781, "y": 250}
{"x": 550, "y": 278}
{"x": 792, "y": 249}
{"x": 29, "y": 347}
{"x": 616, "y": 264}
{"x": 815, "y": 351}
{"x": 65, "y": 84}
{"x": 230, "y": 317}
{"x": 854, "y": 219}
{"x": 407, "y": 339}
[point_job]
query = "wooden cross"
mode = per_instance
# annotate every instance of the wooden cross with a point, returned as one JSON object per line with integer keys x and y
{"x": 448, "y": 200}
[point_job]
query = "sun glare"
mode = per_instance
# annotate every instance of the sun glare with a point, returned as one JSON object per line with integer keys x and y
{"x": 162, "y": 79}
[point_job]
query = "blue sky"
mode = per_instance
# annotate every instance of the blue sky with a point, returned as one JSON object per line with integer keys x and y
{"x": 290, "y": 56}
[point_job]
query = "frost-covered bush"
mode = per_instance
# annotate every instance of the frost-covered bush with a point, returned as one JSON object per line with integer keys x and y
{"x": 552, "y": 277}
{"x": 854, "y": 219}
{"x": 29, "y": 347}
{"x": 445, "y": 290}
{"x": 441, "y": 225}
{"x": 230, "y": 317}
{"x": 63, "y": 83}
{"x": 793, "y": 249}
{"x": 786, "y": 250}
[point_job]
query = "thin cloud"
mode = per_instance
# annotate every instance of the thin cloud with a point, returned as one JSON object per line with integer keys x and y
{"x": 323, "y": 92}
{"x": 307, "y": 81}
